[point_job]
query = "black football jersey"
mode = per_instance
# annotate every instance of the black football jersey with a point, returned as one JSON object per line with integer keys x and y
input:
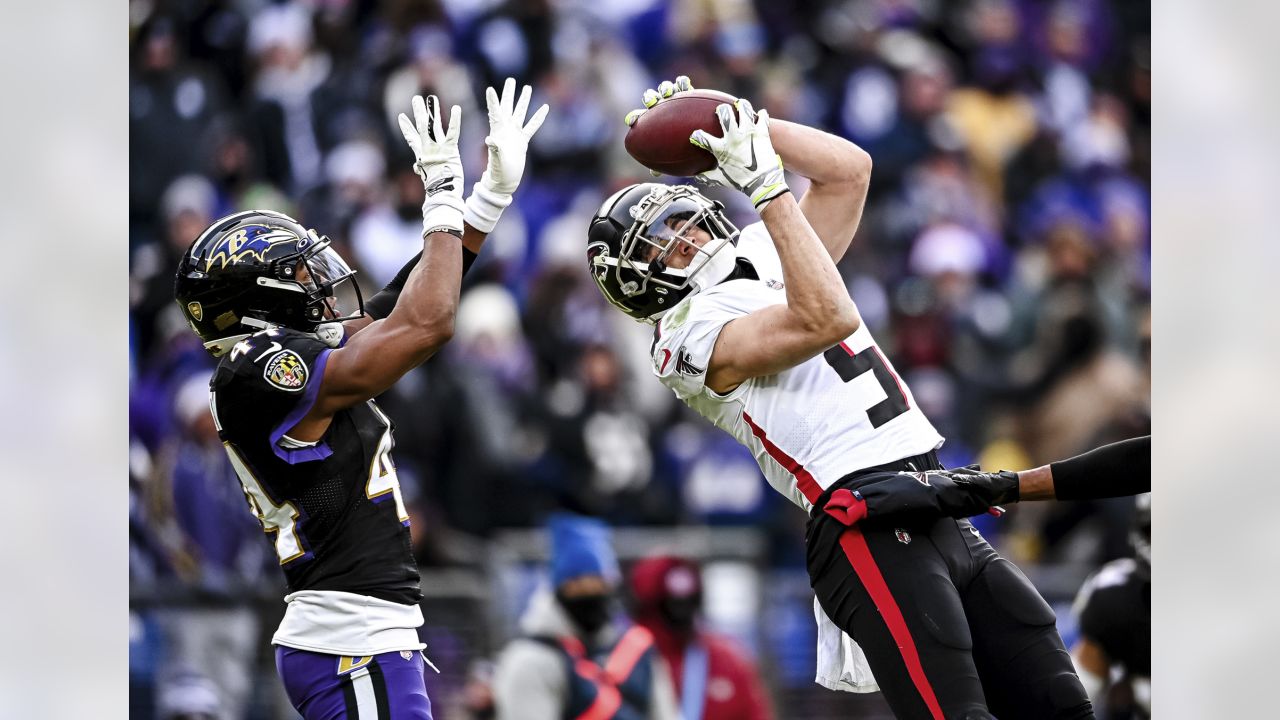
{"x": 333, "y": 508}
{"x": 1115, "y": 612}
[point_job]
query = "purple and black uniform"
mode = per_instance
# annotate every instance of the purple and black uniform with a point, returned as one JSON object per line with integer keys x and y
{"x": 335, "y": 513}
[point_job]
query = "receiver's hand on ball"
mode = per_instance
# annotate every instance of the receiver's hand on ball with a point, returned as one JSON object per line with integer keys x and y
{"x": 745, "y": 156}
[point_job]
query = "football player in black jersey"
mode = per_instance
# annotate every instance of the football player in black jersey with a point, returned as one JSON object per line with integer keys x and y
{"x": 1113, "y": 654}
{"x": 301, "y": 359}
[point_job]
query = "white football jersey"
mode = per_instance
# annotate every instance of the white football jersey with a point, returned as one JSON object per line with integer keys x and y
{"x": 840, "y": 411}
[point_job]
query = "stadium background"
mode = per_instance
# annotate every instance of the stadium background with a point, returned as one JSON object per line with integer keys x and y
{"x": 1003, "y": 262}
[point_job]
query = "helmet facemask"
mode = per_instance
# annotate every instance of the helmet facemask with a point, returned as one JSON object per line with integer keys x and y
{"x": 663, "y": 225}
{"x": 332, "y": 292}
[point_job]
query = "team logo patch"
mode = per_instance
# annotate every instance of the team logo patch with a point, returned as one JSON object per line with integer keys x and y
{"x": 903, "y": 536}
{"x": 347, "y": 664}
{"x": 774, "y": 284}
{"x": 286, "y": 370}
{"x": 685, "y": 366}
{"x": 249, "y": 241}
{"x": 196, "y": 311}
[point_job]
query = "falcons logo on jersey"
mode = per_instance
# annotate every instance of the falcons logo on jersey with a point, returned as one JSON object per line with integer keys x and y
{"x": 685, "y": 366}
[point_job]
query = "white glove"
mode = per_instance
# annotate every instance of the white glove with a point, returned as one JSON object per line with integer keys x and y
{"x": 745, "y": 157}
{"x": 508, "y": 143}
{"x": 437, "y": 163}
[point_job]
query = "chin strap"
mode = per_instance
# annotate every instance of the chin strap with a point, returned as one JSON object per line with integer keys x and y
{"x": 718, "y": 268}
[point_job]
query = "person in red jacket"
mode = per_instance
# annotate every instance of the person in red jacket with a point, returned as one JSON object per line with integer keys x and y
{"x": 714, "y": 679}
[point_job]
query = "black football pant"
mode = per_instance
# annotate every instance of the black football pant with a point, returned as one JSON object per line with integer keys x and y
{"x": 950, "y": 629}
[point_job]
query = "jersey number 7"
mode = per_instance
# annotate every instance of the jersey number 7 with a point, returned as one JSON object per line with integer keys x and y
{"x": 849, "y": 365}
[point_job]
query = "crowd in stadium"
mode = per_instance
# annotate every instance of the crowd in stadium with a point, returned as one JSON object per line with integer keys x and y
{"x": 1003, "y": 259}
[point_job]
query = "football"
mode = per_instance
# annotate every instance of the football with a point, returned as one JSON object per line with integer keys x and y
{"x": 659, "y": 139}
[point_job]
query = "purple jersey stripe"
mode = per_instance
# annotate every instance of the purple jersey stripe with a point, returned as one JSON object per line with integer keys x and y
{"x": 320, "y": 451}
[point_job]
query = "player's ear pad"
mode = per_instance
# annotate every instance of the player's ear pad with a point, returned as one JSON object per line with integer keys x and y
{"x": 941, "y": 611}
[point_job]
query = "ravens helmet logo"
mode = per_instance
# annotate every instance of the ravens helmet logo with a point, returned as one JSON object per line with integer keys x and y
{"x": 248, "y": 241}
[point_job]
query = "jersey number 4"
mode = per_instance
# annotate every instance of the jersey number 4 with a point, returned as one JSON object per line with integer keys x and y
{"x": 849, "y": 365}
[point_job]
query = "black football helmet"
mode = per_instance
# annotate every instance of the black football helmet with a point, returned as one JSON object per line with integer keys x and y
{"x": 634, "y": 233}
{"x": 260, "y": 269}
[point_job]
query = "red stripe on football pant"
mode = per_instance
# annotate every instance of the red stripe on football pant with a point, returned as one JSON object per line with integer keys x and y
{"x": 808, "y": 486}
{"x": 859, "y": 555}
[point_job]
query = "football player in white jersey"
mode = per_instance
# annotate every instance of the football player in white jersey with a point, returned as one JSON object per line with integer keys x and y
{"x": 756, "y": 331}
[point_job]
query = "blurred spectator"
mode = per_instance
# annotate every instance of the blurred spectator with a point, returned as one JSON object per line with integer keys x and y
{"x": 226, "y": 557}
{"x": 285, "y": 116}
{"x": 713, "y": 678}
{"x": 172, "y": 100}
{"x": 571, "y": 634}
{"x": 186, "y": 208}
{"x": 1113, "y": 654}
{"x": 185, "y": 694}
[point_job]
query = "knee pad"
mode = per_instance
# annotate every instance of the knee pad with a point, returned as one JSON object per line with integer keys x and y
{"x": 1015, "y": 593}
{"x": 1068, "y": 698}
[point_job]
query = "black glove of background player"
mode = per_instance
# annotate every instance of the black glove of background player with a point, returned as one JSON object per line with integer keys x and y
{"x": 908, "y": 496}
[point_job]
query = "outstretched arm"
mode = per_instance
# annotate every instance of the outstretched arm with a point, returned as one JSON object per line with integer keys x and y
{"x": 422, "y": 320}
{"x": 818, "y": 312}
{"x": 839, "y": 174}
{"x": 508, "y": 143}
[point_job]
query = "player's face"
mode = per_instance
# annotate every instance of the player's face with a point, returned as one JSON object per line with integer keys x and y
{"x": 330, "y": 303}
{"x": 685, "y": 245}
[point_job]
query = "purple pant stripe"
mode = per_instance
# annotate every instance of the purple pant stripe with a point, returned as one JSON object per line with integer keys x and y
{"x": 390, "y": 681}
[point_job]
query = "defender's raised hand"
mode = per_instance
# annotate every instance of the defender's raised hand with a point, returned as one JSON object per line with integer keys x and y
{"x": 437, "y": 162}
{"x": 508, "y": 143}
{"x": 745, "y": 156}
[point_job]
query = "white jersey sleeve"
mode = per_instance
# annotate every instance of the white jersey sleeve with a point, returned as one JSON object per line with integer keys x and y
{"x": 685, "y": 337}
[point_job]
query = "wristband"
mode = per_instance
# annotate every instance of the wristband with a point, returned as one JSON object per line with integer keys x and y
{"x": 484, "y": 206}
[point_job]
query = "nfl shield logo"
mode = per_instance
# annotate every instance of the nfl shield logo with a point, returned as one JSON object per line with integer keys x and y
{"x": 196, "y": 311}
{"x": 903, "y": 536}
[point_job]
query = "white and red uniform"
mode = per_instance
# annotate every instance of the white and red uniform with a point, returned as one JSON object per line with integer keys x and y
{"x": 807, "y": 426}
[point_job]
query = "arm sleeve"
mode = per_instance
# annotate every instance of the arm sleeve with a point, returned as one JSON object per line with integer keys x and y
{"x": 384, "y": 301}
{"x": 529, "y": 683}
{"x": 1122, "y": 468}
{"x": 684, "y": 339}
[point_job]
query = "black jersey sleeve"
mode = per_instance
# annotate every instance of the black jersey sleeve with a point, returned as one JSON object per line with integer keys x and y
{"x": 265, "y": 385}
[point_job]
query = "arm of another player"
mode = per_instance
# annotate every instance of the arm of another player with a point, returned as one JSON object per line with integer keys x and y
{"x": 1115, "y": 470}
{"x": 839, "y": 173}
{"x": 508, "y": 143}
{"x": 422, "y": 320}
{"x": 818, "y": 312}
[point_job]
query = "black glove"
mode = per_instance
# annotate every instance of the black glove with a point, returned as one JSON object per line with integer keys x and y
{"x": 917, "y": 496}
{"x": 992, "y": 488}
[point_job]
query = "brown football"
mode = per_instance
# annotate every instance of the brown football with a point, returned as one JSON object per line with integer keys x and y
{"x": 659, "y": 139}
